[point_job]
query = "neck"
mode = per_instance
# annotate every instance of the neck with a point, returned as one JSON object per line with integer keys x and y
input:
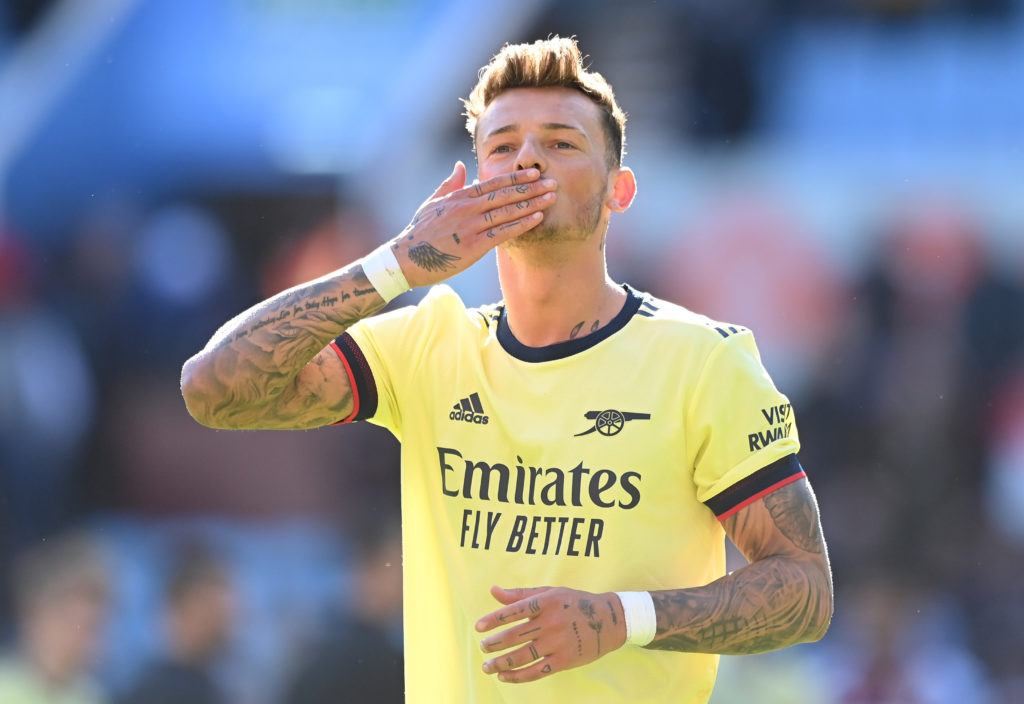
{"x": 557, "y": 291}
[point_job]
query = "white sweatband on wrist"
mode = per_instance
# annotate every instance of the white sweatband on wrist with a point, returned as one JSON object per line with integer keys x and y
{"x": 641, "y": 621}
{"x": 381, "y": 268}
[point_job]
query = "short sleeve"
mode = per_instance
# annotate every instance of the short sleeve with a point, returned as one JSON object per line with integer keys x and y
{"x": 383, "y": 354}
{"x": 740, "y": 429}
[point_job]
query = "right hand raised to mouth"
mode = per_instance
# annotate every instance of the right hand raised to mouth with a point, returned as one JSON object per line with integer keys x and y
{"x": 458, "y": 224}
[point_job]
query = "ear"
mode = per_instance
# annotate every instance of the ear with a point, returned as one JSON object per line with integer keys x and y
{"x": 623, "y": 190}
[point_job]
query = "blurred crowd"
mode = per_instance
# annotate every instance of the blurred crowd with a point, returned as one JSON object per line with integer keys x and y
{"x": 145, "y": 559}
{"x": 906, "y": 372}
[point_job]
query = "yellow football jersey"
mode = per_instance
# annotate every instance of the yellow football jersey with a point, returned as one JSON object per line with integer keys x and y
{"x": 603, "y": 463}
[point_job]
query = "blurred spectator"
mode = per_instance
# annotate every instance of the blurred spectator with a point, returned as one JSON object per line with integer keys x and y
{"x": 899, "y": 643}
{"x": 1004, "y": 490}
{"x": 182, "y": 275}
{"x": 61, "y": 595}
{"x": 47, "y": 398}
{"x": 750, "y": 262}
{"x": 345, "y": 235}
{"x": 199, "y": 608}
{"x": 360, "y": 659}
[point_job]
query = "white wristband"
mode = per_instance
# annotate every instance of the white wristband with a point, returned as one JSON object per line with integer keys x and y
{"x": 382, "y": 269}
{"x": 641, "y": 621}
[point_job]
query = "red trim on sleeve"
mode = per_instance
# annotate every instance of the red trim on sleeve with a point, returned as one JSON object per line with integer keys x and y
{"x": 761, "y": 494}
{"x": 351, "y": 383}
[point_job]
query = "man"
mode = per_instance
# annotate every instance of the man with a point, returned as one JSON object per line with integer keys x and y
{"x": 580, "y": 446}
{"x": 199, "y": 612}
{"x": 61, "y": 592}
{"x": 361, "y": 658}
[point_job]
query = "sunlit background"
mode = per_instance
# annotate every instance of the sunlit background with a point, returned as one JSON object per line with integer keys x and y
{"x": 845, "y": 177}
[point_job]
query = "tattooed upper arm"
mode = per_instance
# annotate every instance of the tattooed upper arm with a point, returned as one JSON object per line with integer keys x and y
{"x": 782, "y": 523}
{"x": 785, "y": 522}
{"x": 319, "y": 395}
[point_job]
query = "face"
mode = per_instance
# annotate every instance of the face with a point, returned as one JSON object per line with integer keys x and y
{"x": 67, "y": 626}
{"x": 560, "y": 132}
{"x": 209, "y": 608}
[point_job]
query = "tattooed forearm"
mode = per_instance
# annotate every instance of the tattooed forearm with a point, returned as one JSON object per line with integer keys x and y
{"x": 427, "y": 256}
{"x": 770, "y": 604}
{"x": 238, "y": 379}
{"x": 783, "y": 597}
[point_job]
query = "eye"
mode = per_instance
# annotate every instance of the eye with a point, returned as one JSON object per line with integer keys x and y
{"x": 502, "y": 149}
{"x": 564, "y": 145}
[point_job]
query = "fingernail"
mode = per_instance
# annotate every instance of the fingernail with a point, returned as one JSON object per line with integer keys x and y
{"x": 489, "y": 666}
{"x": 532, "y": 172}
{"x": 480, "y": 625}
{"x": 549, "y": 182}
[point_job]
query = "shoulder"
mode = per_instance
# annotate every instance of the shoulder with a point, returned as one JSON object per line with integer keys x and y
{"x": 667, "y": 318}
{"x": 441, "y": 302}
{"x": 439, "y": 312}
{"x": 705, "y": 347}
{"x": 445, "y": 310}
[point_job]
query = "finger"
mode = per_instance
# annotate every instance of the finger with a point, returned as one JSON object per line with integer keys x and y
{"x": 509, "y": 230}
{"x": 516, "y": 210}
{"x": 511, "y": 637}
{"x": 538, "y": 670}
{"x": 511, "y": 179}
{"x": 511, "y": 194}
{"x": 523, "y": 608}
{"x": 514, "y": 660}
{"x": 454, "y": 182}
{"x": 510, "y": 596}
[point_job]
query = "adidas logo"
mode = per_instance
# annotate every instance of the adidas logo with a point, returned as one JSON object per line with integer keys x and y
{"x": 469, "y": 410}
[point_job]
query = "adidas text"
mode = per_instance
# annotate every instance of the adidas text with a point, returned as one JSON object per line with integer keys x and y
{"x": 469, "y": 417}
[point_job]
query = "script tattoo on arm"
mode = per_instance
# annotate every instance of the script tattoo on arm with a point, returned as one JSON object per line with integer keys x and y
{"x": 783, "y": 597}
{"x": 427, "y": 256}
{"x": 264, "y": 369}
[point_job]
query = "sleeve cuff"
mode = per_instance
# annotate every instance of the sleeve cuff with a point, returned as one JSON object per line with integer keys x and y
{"x": 360, "y": 379}
{"x": 764, "y": 481}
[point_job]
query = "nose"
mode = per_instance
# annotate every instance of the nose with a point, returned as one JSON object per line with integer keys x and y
{"x": 530, "y": 157}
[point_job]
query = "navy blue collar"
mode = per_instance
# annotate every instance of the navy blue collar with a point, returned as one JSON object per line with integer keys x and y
{"x": 560, "y": 350}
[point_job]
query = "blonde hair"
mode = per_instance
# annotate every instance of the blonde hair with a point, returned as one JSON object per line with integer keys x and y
{"x": 548, "y": 63}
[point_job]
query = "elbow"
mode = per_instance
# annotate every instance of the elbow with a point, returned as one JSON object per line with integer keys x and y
{"x": 197, "y": 398}
{"x": 822, "y": 595}
{"x": 820, "y": 627}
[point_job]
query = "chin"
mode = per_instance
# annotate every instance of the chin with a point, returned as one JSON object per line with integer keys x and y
{"x": 542, "y": 234}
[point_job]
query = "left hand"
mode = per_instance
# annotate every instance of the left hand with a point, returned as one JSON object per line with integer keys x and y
{"x": 563, "y": 628}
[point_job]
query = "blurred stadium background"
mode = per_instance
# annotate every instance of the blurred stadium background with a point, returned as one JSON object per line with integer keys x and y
{"x": 844, "y": 177}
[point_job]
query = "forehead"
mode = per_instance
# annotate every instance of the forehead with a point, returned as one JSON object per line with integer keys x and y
{"x": 531, "y": 107}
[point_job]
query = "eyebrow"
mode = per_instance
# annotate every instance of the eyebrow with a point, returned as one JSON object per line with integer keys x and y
{"x": 549, "y": 126}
